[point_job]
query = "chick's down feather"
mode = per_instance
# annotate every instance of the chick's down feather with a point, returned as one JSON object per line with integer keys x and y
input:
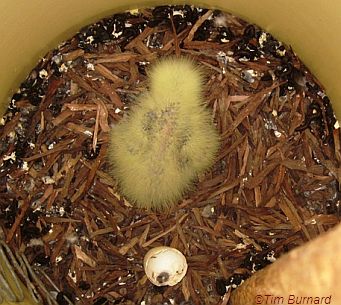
{"x": 168, "y": 139}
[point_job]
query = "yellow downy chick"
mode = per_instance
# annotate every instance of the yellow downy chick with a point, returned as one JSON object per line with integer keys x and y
{"x": 167, "y": 140}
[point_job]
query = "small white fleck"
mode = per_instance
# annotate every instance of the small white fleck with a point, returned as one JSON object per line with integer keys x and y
{"x": 89, "y": 39}
{"x": 240, "y": 246}
{"x": 249, "y": 75}
{"x": 48, "y": 180}
{"x": 336, "y": 125}
{"x": 10, "y": 157}
{"x": 59, "y": 259}
{"x": 281, "y": 53}
{"x": 180, "y": 13}
{"x": 128, "y": 25}
{"x": 2, "y": 121}
{"x": 271, "y": 256}
{"x": 57, "y": 59}
{"x": 243, "y": 59}
{"x": 277, "y": 134}
{"x": 61, "y": 211}
{"x": 63, "y": 68}
{"x": 116, "y": 35}
{"x": 134, "y": 11}
{"x": 262, "y": 39}
{"x": 274, "y": 112}
{"x": 25, "y": 166}
{"x": 118, "y": 110}
{"x": 88, "y": 133}
{"x": 225, "y": 58}
{"x": 51, "y": 146}
{"x": 252, "y": 72}
{"x": 253, "y": 268}
{"x": 32, "y": 145}
{"x": 43, "y": 74}
{"x": 90, "y": 66}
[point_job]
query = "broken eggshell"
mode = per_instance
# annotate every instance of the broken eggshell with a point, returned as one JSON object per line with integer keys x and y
{"x": 165, "y": 266}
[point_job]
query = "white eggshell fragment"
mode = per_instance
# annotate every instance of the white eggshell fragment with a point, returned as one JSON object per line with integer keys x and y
{"x": 165, "y": 266}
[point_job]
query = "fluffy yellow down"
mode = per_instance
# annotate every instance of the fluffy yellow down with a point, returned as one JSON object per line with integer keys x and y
{"x": 158, "y": 151}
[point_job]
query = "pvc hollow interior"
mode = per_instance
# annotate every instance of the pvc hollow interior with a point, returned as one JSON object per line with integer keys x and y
{"x": 29, "y": 29}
